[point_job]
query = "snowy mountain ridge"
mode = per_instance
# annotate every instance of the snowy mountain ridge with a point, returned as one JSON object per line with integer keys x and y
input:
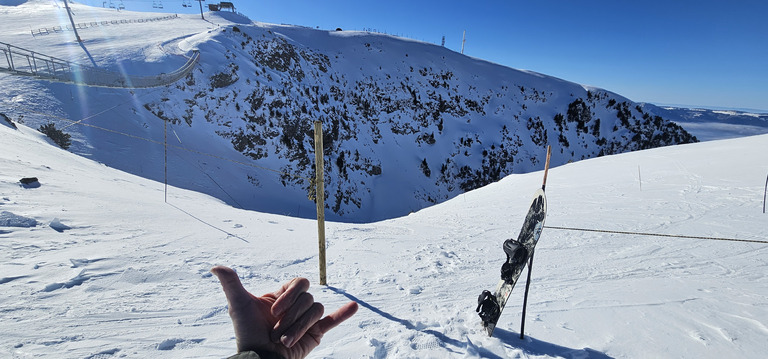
{"x": 709, "y": 124}
{"x": 406, "y": 124}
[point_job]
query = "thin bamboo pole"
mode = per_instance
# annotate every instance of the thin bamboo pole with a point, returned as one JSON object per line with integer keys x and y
{"x": 165, "y": 157}
{"x": 546, "y": 168}
{"x": 765, "y": 193}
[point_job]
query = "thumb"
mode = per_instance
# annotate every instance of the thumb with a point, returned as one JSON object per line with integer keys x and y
{"x": 230, "y": 282}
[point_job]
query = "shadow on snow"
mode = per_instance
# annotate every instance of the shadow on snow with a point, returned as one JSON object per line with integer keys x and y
{"x": 533, "y": 346}
{"x": 529, "y": 345}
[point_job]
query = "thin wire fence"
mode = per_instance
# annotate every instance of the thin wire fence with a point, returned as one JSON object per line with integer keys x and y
{"x": 656, "y": 234}
{"x": 91, "y": 24}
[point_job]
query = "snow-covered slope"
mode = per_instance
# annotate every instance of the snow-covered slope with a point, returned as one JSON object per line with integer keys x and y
{"x": 94, "y": 264}
{"x": 407, "y": 124}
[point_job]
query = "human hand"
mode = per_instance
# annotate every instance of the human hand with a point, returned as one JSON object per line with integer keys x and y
{"x": 286, "y": 322}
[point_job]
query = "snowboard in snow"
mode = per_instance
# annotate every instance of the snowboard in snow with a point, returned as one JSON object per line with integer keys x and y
{"x": 519, "y": 253}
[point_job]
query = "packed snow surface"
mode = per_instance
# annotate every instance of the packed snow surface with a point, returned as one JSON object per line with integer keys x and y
{"x": 109, "y": 269}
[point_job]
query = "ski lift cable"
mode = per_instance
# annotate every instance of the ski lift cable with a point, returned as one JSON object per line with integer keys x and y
{"x": 200, "y": 168}
{"x": 107, "y": 109}
{"x": 207, "y": 223}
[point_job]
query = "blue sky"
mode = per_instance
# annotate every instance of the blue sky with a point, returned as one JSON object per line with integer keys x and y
{"x": 685, "y": 52}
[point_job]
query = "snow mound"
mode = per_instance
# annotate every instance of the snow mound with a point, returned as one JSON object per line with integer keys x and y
{"x": 9, "y": 219}
{"x": 58, "y": 226}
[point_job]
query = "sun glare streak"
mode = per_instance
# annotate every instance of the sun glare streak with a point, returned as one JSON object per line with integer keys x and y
{"x": 82, "y": 55}
{"x": 124, "y": 73}
{"x": 74, "y": 54}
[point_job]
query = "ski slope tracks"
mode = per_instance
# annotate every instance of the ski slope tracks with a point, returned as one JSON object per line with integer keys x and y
{"x": 96, "y": 265}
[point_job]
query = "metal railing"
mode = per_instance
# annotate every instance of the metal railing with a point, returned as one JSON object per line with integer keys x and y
{"x": 24, "y": 62}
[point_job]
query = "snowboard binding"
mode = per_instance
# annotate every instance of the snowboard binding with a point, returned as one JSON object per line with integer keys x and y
{"x": 517, "y": 255}
{"x": 488, "y": 307}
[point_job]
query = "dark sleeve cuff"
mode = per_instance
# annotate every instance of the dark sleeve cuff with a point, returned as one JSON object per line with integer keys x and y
{"x": 254, "y": 355}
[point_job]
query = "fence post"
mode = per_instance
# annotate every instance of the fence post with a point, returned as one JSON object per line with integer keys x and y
{"x": 10, "y": 58}
{"x": 320, "y": 197}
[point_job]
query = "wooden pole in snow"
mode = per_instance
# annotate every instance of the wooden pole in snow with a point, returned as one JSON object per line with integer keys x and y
{"x": 320, "y": 197}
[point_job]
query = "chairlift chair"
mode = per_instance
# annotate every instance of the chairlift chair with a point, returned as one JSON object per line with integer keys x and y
{"x": 159, "y": 4}
{"x": 111, "y": 5}
{"x": 121, "y": 6}
{"x": 154, "y": 4}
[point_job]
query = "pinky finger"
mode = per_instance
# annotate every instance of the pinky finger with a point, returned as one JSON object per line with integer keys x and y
{"x": 336, "y": 318}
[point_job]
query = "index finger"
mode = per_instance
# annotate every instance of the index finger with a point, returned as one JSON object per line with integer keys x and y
{"x": 287, "y": 295}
